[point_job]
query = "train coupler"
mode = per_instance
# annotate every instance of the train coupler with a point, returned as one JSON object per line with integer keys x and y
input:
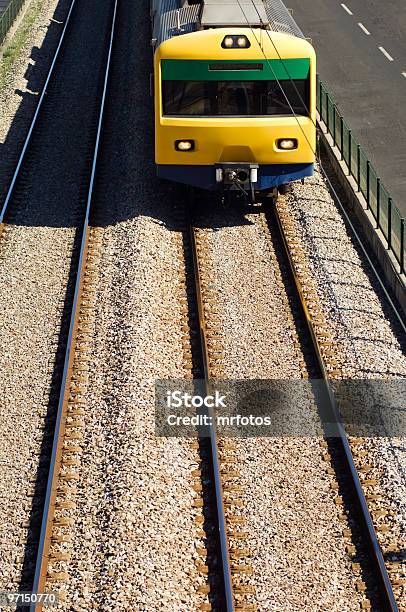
{"x": 239, "y": 177}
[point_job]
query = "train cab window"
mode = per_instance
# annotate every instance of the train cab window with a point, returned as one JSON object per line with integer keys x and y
{"x": 288, "y": 97}
{"x": 233, "y": 97}
{"x": 185, "y": 98}
{"x": 236, "y": 98}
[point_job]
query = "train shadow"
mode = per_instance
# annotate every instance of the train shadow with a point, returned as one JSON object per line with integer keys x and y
{"x": 396, "y": 556}
{"x": 24, "y": 104}
{"x": 127, "y": 186}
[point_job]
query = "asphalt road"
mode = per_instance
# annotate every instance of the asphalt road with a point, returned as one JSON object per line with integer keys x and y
{"x": 361, "y": 46}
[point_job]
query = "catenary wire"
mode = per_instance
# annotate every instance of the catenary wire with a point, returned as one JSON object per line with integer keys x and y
{"x": 317, "y": 155}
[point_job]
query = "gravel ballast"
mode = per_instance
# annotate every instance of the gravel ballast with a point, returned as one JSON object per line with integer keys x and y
{"x": 30, "y": 317}
{"x": 365, "y": 327}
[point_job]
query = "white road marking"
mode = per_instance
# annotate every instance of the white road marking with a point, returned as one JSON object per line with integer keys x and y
{"x": 386, "y": 54}
{"x": 345, "y": 7}
{"x": 363, "y": 28}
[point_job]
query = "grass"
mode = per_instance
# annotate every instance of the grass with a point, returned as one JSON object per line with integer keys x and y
{"x": 16, "y": 44}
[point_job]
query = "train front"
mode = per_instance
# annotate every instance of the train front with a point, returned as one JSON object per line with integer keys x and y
{"x": 235, "y": 109}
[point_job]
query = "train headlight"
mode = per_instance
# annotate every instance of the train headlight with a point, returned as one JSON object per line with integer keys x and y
{"x": 233, "y": 41}
{"x": 287, "y": 144}
{"x": 184, "y": 145}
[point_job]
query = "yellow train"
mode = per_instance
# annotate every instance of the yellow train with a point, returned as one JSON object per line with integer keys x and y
{"x": 235, "y": 95}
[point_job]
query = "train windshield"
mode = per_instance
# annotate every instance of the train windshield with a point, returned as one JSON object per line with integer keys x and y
{"x": 236, "y": 98}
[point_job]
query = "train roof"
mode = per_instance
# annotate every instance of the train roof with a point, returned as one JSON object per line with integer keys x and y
{"x": 207, "y": 45}
{"x": 176, "y": 17}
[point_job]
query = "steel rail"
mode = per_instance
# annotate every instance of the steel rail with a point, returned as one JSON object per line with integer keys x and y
{"x": 34, "y": 120}
{"x": 223, "y": 538}
{"x": 51, "y": 491}
{"x": 386, "y": 590}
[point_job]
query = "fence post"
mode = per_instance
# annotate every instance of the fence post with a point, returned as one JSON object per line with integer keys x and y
{"x": 402, "y": 246}
{"x": 328, "y": 114}
{"x": 349, "y": 152}
{"x": 321, "y": 101}
{"x": 390, "y": 204}
{"x": 334, "y": 125}
{"x": 342, "y": 136}
{"x": 378, "y": 202}
{"x": 368, "y": 181}
{"x": 8, "y": 18}
{"x": 359, "y": 167}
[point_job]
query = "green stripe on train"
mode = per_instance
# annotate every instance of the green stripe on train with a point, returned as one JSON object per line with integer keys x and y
{"x": 235, "y": 70}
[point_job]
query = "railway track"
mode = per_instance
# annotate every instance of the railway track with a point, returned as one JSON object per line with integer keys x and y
{"x": 53, "y": 548}
{"x": 217, "y": 478}
{"x": 50, "y": 196}
{"x": 323, "y": 345}
{"x": 224, "y": 558}
{"x": 362, "y": 539}
{"x": 351, "y": 459}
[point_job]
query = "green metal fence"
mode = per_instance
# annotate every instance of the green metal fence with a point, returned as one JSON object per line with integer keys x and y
{"x": 8, "y": 17}
{"x": 387, "y": 217}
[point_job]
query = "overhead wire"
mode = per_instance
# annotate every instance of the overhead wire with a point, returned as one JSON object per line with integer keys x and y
{"x": 263, "y": 29}
{"x": 318, "y": 157}
{"x": 279, "y": 56}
